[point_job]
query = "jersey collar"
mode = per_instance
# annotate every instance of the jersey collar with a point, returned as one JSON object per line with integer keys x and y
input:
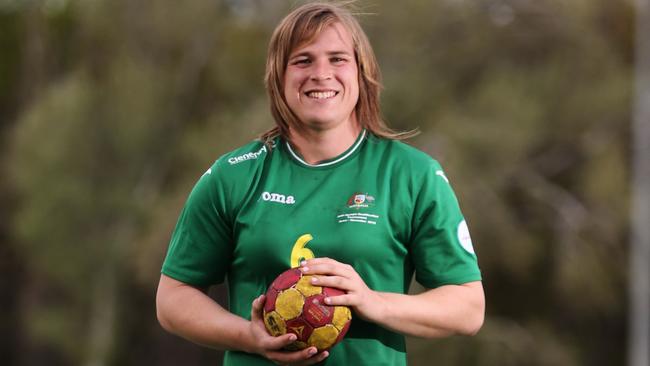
{"x": 355, "y": 147}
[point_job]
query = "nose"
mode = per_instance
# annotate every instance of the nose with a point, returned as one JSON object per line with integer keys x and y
{"x": 321, "y": 71}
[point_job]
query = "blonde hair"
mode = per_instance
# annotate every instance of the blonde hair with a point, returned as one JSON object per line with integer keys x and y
{"x": 301, "y": 27}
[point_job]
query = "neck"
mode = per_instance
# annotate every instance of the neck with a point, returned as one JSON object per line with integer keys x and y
{"x": 317, "y": 146}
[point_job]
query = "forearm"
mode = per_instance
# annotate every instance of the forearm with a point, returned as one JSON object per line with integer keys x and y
{"x": 440, "y": 312}
{"x": 188, "y": 312}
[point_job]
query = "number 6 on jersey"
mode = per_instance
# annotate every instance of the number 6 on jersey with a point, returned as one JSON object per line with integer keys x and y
{"x": 299, "y": 252}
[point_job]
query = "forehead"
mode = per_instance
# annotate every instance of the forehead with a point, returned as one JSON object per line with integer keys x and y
{"x": 333, "y": 36}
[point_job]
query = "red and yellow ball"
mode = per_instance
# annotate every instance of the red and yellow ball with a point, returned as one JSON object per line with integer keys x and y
{"x": 294, "y": 305}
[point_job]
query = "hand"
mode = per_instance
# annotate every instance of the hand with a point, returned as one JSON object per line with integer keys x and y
{"x": 271, "y": 347}
{"x": 366, "y": 303}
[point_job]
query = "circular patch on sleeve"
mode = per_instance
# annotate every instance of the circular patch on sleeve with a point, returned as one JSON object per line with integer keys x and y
{"x": 464, "y": 238}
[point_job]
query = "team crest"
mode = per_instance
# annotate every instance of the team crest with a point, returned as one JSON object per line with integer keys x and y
{"x": 358, "y": 202}
{"x": 361, "y": 200}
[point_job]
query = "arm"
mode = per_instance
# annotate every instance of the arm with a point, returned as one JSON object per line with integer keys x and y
{"x": 188, "y": 312}
{"x": 439, "y": 312}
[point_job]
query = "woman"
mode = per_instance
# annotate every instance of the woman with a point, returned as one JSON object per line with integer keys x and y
{"x": 331, "y": 190}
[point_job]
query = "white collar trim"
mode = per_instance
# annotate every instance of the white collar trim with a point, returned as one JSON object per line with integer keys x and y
{"x": 352, "y": 150}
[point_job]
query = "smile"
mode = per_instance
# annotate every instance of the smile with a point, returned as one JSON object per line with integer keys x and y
{"x": 321, "y": 94}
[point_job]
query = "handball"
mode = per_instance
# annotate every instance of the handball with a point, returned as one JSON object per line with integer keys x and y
{"x": 294, "y": 305}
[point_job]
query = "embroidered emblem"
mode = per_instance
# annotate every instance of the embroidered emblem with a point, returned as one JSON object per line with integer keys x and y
{"x": 361, "y": 200}
{"x": 354, "y": 210}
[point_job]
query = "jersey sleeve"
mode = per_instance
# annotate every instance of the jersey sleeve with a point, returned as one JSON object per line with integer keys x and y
{"x": 442, "y": 249}
{"x": 200, "y": 249}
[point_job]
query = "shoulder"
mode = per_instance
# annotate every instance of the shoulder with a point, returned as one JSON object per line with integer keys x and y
{"x": 251, "y": 152}
{"x": 233, "y": 171}
{"x": 242, "y": 161}
{"x": 231, "y": 178}
{"x": 408, "y": 165}
{"x": 403, "y": 154}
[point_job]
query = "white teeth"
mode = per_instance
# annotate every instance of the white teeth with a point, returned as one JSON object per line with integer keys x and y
{"x": 321, "y": 95}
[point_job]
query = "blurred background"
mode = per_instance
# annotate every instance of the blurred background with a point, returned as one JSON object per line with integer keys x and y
{"x": 110, "y": 110}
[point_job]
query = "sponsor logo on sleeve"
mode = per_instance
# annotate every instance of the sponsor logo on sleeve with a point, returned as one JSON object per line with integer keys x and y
{"x": 464, "y": 238}
{"x": 248, "y": 156}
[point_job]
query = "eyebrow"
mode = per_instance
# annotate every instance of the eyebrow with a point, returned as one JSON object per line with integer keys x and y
{"x": 329, "y": 53}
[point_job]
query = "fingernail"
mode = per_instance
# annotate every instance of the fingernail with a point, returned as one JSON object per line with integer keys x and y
{"x": 304, "y": 269}
{"x": 303, "y": 263}
{"x": 328, "y": 300}
{"x": 312, "y": 351}
{"x": 314, "y": 280}
{"x": 292, "y": 337}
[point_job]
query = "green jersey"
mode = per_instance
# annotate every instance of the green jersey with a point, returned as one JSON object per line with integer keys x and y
{"x": 382, "y": 206}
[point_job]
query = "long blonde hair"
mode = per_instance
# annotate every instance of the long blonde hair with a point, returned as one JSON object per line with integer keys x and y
{"x": 301, "y": 27}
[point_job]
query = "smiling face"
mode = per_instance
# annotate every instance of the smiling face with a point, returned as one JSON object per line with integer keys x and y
{"x": 321, "y": 80}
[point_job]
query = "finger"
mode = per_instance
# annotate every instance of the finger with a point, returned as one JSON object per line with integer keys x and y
{"x": 318, "y": 358}
{"x": 347, "y": 300}
{"x": 315, "y": 359}
{"x": 332, "y": 281}
{"x": 273, "y": 344}
{"x": 319, "y": 260}
{"x": 296, "y": 357}
{"x": 256, "y": 309}
{"x": 328, "y": 266}
{"x": 322, "y": 268}
{"x": 258, "y": 303}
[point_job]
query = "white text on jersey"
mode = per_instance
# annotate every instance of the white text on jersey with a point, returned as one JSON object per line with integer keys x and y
{"x": 247, "y": 156}
{"x": 279, "y": 198}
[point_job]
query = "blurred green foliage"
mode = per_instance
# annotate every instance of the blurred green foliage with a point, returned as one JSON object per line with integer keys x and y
{"x": 110, "y": 110}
